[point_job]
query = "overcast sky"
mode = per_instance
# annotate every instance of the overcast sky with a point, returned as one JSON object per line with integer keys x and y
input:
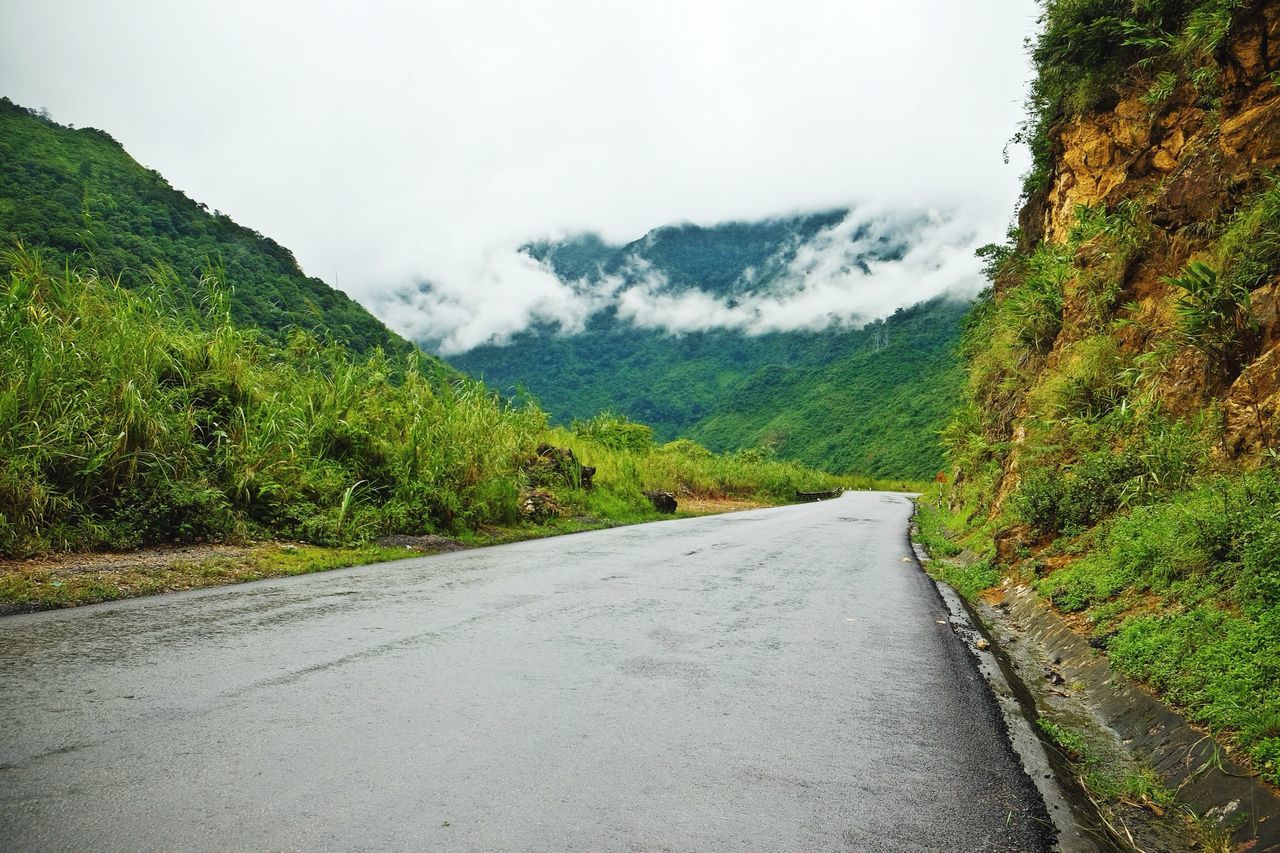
{"x": 388, "y": 143}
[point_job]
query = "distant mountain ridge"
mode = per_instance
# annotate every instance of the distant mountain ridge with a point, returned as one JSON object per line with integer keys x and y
{"x": 712, "y": 258}
{"x": 77, "y": 192}
{"x": 846, "y": 397}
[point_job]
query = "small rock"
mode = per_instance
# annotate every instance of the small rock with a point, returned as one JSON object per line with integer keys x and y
{"x": 982, "y": 644}
{"x": 559, "y": 464}
{"x": 662, "y": 501}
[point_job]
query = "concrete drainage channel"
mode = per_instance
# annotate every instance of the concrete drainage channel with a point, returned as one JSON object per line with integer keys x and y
{"x": 1079, "y": 826}
{"x": 1240, "y": 812}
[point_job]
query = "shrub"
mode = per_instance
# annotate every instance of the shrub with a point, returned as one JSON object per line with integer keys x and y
{"x": 615, "y": 432}
{"x": 1215, "y": 318}
{"x": 1034, "y": 307}
{"x": 1069, "y": 501}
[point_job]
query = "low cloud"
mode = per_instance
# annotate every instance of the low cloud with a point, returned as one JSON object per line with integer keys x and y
{"x": 864, "y": 267}
{"x": 426, "y": 141}
{"x": 831, "y": 281}
{"x": 509, "y": 293}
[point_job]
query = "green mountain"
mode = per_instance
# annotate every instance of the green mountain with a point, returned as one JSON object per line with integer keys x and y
{"x": 869, "y": 400}
{"x": 77, "y": 194}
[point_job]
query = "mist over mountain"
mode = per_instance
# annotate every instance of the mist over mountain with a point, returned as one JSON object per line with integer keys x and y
{"x": 823, "y": 336}
{"x": 834, "y": 269}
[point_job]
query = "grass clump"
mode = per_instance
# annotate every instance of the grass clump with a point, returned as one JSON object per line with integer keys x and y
{"x": 1108, "y": 778}
{"x": 969, "y": 579}
{"x": 949, "y": 561}
{"x": 1214, "y": 317}
{"x": 1071, "y": 743}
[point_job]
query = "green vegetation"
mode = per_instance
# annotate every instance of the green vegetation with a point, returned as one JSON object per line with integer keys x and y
{"x": 1108, "y": 778}
{"x": 1174, "y": 559}
{"x": 1214, "y": 318}
{"x": 81, "y": 197}
{"x": 1169, "y": 549}
{"x": 1093, "y": 441}
{"x": 948, "y": 560}
{"x": 1087, "y": 50}
{"x": 1186, "y": 594}
{"x": 875, "y": 408}
{"x": 868, "y": 400}
{"x": 128, "y": 417}
{"x": 1120, "y": 786}
{"x": 1070, "y": 742}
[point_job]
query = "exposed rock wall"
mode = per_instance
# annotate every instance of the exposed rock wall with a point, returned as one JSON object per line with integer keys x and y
{"x": 1189, "y": 161}
{"x": 1197, "y": 157}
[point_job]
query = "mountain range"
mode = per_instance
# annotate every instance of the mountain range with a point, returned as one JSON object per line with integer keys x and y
{"x": 716, "y": 333}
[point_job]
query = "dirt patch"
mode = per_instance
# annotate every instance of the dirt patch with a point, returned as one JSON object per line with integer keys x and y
{"x": 67, "y": 580}
{"x": 710, "y": 506}
{"x": 429, "y": 544}
{"x": 161, "y": 557}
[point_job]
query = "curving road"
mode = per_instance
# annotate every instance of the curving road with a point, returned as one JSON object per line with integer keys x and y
{"x": 783, "y": 679}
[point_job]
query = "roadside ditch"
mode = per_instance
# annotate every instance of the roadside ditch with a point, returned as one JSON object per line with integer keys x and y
{"x": 1118, "y": 769}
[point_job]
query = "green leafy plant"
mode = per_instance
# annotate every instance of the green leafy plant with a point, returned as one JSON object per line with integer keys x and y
{"x": 615, "y": 432}
{"x": 1214, "y": 317}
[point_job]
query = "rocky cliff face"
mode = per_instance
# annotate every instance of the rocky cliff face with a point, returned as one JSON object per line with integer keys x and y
{"x": 1186, "y": 163}
{"x": 1117, "y": 447}
{"x": 1192, "y": 157}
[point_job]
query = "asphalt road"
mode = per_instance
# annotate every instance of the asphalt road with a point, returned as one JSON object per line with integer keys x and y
{"x": 782, "y": 679}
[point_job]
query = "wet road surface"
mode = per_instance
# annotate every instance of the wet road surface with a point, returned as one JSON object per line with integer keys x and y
{"x": 781, "y": 679}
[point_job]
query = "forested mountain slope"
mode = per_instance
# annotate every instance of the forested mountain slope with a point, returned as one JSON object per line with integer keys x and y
{"x": 843, "y": 397}
{"x": 77, "y": 193}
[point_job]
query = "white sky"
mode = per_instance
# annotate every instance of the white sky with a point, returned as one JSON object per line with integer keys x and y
{"x": 390, "y": 142}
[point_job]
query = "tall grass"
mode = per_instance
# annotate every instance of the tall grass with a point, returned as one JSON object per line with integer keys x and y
{"x": 126, "y": 419}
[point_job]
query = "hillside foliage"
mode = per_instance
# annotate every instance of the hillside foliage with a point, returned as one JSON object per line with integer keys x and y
{"x": 128, "y": 417}
{"x": 1116, "y": 444}
{"x": 867, "y": 399}
{"x": 79, "y": 195}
